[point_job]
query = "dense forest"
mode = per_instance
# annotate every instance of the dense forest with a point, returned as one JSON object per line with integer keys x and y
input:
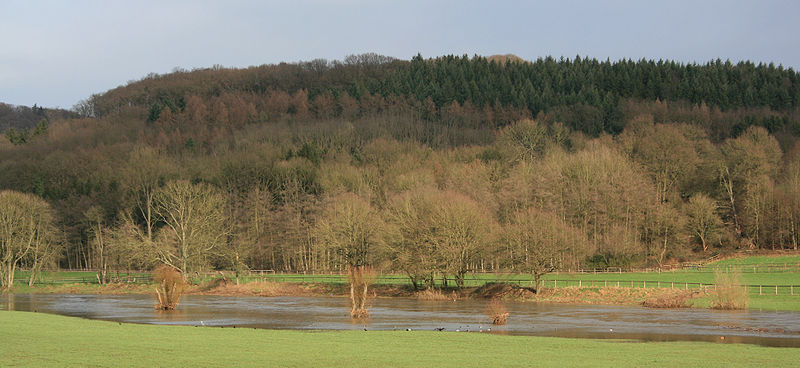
{"x": 20, "y": 123}
{"x": 428, "y": 166}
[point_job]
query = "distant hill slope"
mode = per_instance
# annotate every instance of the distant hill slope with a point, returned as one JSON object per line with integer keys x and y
{"x": 24, "y": 117}
{"x": 621, "y": 164}
{"x": 585, "y": 94}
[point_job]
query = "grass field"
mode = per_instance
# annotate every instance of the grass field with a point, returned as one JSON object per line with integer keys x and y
{"x": 759, "y": 260}
{"x": 38, "y": 340}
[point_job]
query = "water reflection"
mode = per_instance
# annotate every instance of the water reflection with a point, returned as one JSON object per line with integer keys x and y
{"x": 592, "y": 321}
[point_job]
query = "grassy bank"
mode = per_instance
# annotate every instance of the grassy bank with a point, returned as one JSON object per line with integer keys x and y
{"x": 35, "y": 340}
{"x": 596, "y": 288}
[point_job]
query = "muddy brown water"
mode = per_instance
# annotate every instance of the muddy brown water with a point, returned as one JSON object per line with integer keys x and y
{"x": 769, "y": 328}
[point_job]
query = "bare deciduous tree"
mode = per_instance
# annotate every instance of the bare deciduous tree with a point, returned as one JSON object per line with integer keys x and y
{"x": 541, "y": 242}
{"x": 351, "y": 228}
{"x": 196, "y": 223}
{"x": 703, "y": 221}
{"x": 25, "y": 227}
{"x": 145, "y": 172}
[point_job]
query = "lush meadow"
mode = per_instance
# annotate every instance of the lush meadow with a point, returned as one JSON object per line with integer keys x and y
{"x": 35, "y": 340}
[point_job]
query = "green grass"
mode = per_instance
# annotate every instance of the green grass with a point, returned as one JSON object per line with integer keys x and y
{"x": 36, "y": 340}
{"x": 21, "y": 276}
{"x": 772, "y": 278}
{"x": 761, "y": 302}
{"x": 761, "y": 260}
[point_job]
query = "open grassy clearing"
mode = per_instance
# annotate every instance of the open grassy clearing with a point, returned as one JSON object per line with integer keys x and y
{"x": 758, "y": 260}
{"x": 35, "y": 340}
{"x": 772, "y": 278}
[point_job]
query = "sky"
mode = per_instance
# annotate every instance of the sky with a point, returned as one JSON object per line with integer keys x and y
{"x": 56, "y": 53}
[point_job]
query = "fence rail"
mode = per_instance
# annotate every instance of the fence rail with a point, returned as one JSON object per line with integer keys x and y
{"x": 691, "y": 267}
{"x": 554, "y": 283}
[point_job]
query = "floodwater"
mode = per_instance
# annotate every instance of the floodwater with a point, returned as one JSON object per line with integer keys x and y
{"x": 768, "y": 328}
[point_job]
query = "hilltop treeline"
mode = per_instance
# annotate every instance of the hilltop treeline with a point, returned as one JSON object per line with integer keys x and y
{"x": 585, "y": 94}
{"x": 426, "y": 167}
{"x": 21, "y": 123}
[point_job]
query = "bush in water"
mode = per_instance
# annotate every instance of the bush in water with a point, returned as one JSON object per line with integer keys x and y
{"x": 170, "y": 287}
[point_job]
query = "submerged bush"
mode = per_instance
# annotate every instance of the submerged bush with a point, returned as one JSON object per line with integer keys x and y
{"x": 360, "y": 278}
{"x": 170, "y": 287}
{"x": 671, "y": 299}
{"x": 497, "y": 312}
{"x": 728, "y": 293}
{"x": 435, "y": 294}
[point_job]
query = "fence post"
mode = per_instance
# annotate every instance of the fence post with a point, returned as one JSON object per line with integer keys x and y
{"x": 580, "y": 283}
{"x": 686, "y": 286}
{"x": 605, "y": 283}
{"x": 760, "y": 289}
{"x": 791, "y": 288}
{"x": 673, "y": 285}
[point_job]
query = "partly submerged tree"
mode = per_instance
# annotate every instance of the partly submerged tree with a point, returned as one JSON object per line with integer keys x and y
{"x": 353, "y": 231}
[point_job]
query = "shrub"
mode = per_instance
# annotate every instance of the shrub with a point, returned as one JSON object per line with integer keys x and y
{"x": 170, "y": 287}
{"x": 728, "y": 293}
{"x": 435, "y": 294}
{"x": 497, "y": 312}
{"x": 673, "y": 299}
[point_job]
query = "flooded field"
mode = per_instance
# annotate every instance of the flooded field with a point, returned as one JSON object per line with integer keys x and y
{"x": 314, "y": 313}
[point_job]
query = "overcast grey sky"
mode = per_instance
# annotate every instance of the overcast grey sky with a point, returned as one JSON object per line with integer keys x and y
{"x": 55, "y": 53}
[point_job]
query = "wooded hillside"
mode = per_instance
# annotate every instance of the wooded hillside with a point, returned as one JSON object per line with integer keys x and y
{"x": 425, "y": 166}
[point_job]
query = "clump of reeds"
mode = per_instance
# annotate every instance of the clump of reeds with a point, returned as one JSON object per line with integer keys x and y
{"x": 170, "y": 287}
{"x": 360, "y": 278}
{"x": 435, "y": 294}
{"x": 728, "y": 293}
{"x": 675, "y": 299}
{"x": 497, "y": 312}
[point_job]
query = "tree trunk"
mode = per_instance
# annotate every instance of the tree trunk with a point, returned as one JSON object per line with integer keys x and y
{"x": 149, "y": 217}
{"x": 352, "y": 299}
{"x": 728, "y": 183}
{"x": 363, "y": 303}
{"x": 703, "y": 241}
{"x": 9, "y": 275}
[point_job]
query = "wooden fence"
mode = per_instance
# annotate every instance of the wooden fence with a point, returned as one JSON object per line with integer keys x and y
{"x": 332, "y": 278}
